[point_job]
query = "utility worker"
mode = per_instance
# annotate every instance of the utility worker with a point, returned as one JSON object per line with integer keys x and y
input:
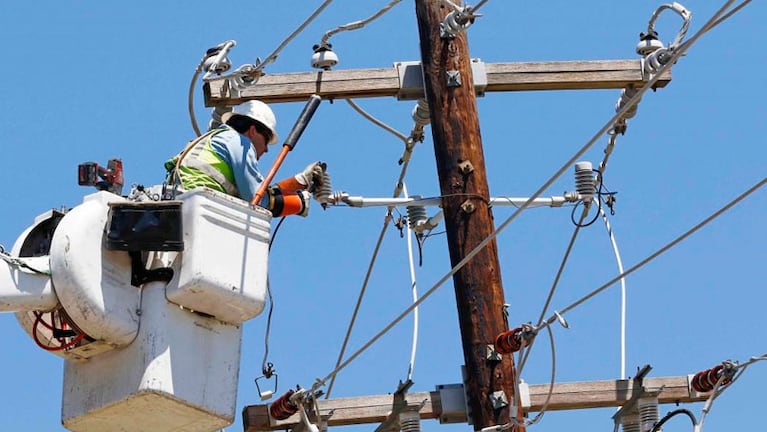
{"x": 226, "y": 159}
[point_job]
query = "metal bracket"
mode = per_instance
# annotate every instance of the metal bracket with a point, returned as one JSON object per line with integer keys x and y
{"x": 468, "y": 207}
{"x": 399, "y": 405}
{"x": 410, "y": 75}
{"x": 453, "y": 401}
{"x": 453, "y": 78}
{"x": 498, "y": 399}
{"x": 637, "y": 391}
{"x": 492, "y": 354}
{"x": 466, "y": 167}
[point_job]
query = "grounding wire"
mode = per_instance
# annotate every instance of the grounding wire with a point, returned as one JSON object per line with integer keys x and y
{"x": 383, "y": 125}
{"x": 630, "y": 103}
{"x": 619, "y": 263}
{"x": 656, "y": 254}
{"x": 387, "y": 220}
{"x": 354, "y": 25}
{"x": 414, "y": 290}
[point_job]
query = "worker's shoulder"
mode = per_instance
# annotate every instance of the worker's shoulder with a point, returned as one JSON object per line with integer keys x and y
{"x": 226, "y": 133}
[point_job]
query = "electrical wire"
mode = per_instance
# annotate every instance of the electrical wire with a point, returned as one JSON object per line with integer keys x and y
{"x": 387, "y": 220}
{"x": 630, "y": 103}
{"x": 405, "y": 163}
{"x": 273, "y": 56}
{"x": 719, "y": 388}
{"x": 657, "y": 253}
{"x": 266, "y": 366}
{"x": 670, "y": 415}
{"x": 547, "y": 303}
{"x": 414, "y": 290}
{"x": 190, "y": 98}
{"x": 20, "y": 263}
{"x": 357, "y": 24}
{"x": 383, "y": 125}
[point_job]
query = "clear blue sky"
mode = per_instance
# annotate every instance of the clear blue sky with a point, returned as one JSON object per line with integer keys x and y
{"x": 94, "y": 80}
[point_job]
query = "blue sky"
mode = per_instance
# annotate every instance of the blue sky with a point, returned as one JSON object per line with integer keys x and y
{"x": 95, "y": 80}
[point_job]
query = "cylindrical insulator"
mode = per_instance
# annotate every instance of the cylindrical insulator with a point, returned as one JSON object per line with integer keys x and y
{"x": 626, "y": 95}
{"x": 420, "y": 114}
{"x": 410, "y": 425}
{"x": 706, "y": 380}
{"x": 323, "y": 194}
{"x": 630, "y": 423}
{"x": 648, "y": 413}
{"x": 416, "y": 215}
{"x": 584, "y": 181}
{"x": 283, "y": 408}
{"x": 509, "y": 341}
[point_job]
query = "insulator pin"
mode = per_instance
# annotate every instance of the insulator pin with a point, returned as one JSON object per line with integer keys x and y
{"x": 283, "y": 407}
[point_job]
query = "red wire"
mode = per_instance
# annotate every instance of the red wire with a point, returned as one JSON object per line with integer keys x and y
{"x": 38, "y": 321}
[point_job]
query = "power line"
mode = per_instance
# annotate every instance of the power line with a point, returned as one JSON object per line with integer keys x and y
{"x": 656, "y": 254}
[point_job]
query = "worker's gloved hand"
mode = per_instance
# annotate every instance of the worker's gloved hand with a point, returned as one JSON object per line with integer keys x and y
{"x": 311, "y": 176}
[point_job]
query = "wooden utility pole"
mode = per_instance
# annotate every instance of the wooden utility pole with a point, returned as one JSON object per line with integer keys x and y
{"x": 479, "y": 295}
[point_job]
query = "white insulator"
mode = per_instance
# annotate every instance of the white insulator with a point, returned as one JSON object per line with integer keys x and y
{"x": 647, "y": 46}
{"x": 648, "y": 413}
{"x": 584, "y": 181}
{"x": 324, "y": 59}
{"x": 220, "y": 67}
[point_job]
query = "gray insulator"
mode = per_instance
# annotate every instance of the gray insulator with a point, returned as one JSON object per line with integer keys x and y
{"x": 627, "y": 94}
{"x": 648, "y": 413}
{"x": 410, "y": 425}
{"x": 584, "y": 181}
{"x": 325, "y": 193}
{"x": 630, "y": 423}
{"x": 416, "y": 216}
{"x": 421, "y": 115}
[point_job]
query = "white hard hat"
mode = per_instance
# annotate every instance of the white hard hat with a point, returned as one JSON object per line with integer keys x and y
{"x": 257, "y": 111}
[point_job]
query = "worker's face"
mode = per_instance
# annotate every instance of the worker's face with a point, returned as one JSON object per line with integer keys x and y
{"x": 258, "y": 141}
